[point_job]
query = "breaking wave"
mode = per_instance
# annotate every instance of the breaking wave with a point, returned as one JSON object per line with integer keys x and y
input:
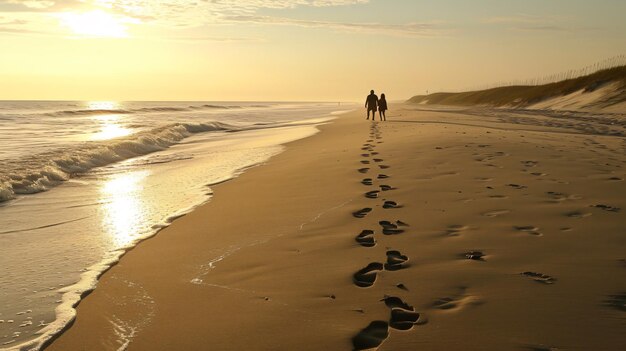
{"x": 45, "y": 170}
{"x": 90, "y": 112}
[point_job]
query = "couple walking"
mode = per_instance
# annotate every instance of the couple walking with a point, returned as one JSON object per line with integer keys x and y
{"x": 372, "y": 103}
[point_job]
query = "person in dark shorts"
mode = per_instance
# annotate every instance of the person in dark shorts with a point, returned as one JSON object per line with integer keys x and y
{"x": 382, "y": 107}
{"x": 371, "y": 103}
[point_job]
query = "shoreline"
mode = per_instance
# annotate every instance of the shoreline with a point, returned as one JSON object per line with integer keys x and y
{"x": 275, "y": 250}
{"x": 72, "y": 294}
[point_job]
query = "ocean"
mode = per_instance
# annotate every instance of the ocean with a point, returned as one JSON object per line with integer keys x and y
{"x": 83, "y": 182}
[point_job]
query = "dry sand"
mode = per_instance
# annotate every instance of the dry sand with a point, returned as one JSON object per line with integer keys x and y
{"x": 515, "y": 241}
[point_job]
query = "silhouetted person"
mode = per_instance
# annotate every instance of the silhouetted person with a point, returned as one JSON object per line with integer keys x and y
{"x": 371, "y": 103}
{"x": 382, "y": 107}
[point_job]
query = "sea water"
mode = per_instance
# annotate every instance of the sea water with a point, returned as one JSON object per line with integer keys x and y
{"x": 82, "y": 182}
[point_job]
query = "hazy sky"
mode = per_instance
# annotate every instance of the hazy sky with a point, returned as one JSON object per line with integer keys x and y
{"x": 292, "y": 49}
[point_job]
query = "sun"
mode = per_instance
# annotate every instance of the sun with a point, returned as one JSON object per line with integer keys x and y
{"x": 95, "y": 23}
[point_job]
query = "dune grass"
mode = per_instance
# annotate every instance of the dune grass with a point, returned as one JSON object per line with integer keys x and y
{"x": 520, "y": 96}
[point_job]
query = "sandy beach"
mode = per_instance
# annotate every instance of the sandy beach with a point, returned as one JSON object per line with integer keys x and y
{"x": 440, "y": 229}
{"x": 201, "y": 175}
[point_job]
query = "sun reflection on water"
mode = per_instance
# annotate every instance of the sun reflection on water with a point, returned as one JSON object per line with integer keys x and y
{"x": 103, "y": 105}
{"x": 110, "y": 125}
{"x": 123, "y": 209}
{"x": 110, "y": 130}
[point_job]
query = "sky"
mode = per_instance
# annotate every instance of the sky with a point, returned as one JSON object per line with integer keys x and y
{"x": 293, "y": 50}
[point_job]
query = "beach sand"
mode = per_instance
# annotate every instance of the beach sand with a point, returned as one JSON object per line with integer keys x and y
{"x": 511, "y": 237}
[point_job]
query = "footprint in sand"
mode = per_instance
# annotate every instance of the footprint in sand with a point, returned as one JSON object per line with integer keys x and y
{"x": 496, "y": 213}
{"x": 457, "y": 301}
{"x": 558, "y": 197}
{"x": 365, "y": 155}
{"x": 456, "y": 229}
{"x": 386, "y": 188}
{"x": 367, "y": 181}
{"x": 374, "y": 153}
{"x": 362, "y": 212}
{"x": 364, "y": 170}
{"x": 383, "y": 166}
{"x": 540, "y": 277}
{"x": 366, "y": 277}
{"x": 396, "y": 302}
{"x": 366, "y": 238}
{"x": 372, "y": 336}
{"x": 378, "y": 160}
{"x": 617, "y": 301}
{"x": 372, "y": 194}
{"x": 483, "y": 179}
{"x": 577, "y": 214}
{"x": 402, "y": 287}
{"x": 530, "y": 164}
{"x": 391, "y": 204}
{"x": 383, "y": 176}
{"x": 395, "y": 260}
{"x": 365, "y": 162}
{"x": 390, "y": 228}
{"x": 607, "y": 208}
{"x": 517, "y": 186}
{"x": 474, "y": 255}
{"x": 528, "y": 229}
{"x": 403, "y": 316}
{"x": 498, "y": 197}
{"x": 402, "y": 319}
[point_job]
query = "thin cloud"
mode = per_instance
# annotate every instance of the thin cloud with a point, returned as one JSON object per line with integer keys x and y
{"x": 181, "y": 14}
{"x": 9, "y": 30}
{"x": 537, "y": 23}
{"x": 520, "y": 18}
{"x": 405, "y": 30}
{"x": 4, "y": 22}
{"x": 38, "y": 5}
{"x": 168, "y": 13}
{"x": 212, "y": 39}
{"x": 554, "y": 28}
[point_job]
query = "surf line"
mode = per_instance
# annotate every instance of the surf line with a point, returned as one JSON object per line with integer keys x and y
{"x": 319, "y": 215}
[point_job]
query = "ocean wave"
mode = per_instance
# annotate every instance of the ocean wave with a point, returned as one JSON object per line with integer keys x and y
{"x": 160, "y": 109}
{"x": 217, "y": 107}
{"x": 87, "y": 112}
{"x": 91, "y": 112}
{"x": 214, "y": 107}
{"x": 43, "y": 171}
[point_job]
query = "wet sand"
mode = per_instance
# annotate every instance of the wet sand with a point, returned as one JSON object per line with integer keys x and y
{"x": 436, "y": 230}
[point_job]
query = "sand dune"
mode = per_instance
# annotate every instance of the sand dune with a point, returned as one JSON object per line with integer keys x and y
{"x": 483, "y": 233}
{"x": 601, "y": 91}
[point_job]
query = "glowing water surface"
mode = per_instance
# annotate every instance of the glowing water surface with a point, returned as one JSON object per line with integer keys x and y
{"x": 53, "y": 244}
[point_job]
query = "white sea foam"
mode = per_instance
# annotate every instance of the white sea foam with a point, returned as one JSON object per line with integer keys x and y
{"x": 43, "y": 171}
{"x": 103, "y": 212}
